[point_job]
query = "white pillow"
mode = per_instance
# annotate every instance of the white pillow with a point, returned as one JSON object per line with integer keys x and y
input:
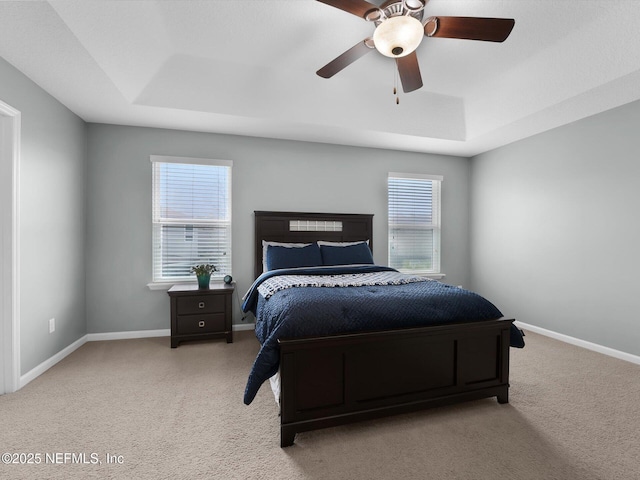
{"x": 341, "y": 244}
{"x": 266, "y": 244}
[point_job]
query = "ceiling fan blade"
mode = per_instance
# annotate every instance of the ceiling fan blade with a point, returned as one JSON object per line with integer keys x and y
{"x": 469, "y": 28}
{"x": 356, "y": 7}
{"x": 344, "y": 60}
{"x": 409, "y": 71}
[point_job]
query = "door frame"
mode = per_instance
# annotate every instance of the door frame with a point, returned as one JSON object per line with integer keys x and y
{"x": 10, "y": 123}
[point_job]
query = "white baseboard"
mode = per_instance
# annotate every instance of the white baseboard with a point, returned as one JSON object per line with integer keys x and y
{"x": 243, "y": 326}
{"x": 96, "y": 337}
{"x": 50, "y": 362}
{"x": 580, "y": 343}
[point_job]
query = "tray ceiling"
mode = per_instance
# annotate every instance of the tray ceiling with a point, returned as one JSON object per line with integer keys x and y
{"x": 248, "y": 68}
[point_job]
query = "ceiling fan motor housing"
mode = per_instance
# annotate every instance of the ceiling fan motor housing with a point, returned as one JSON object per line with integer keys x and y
{"x": 395, "y": 8}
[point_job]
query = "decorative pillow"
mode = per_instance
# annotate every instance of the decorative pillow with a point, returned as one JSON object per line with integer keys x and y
{"x": 351, "y": 254}
{"x": 286, "y": 257}
{"x": 265, "y": 245}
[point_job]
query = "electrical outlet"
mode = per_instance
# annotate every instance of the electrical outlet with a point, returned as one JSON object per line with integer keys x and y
{"x": 52, "y": 325}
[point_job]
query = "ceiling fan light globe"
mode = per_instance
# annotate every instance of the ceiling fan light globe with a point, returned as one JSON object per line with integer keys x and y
{"x": 398, "y": 36}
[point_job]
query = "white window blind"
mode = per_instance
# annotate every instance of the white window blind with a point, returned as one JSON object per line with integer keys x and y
{"x": 414, "y": 222}
{"x": 191, "y": 216}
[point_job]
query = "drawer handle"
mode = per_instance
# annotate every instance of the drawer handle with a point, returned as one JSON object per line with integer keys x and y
{"x": 201, "y": 323}
{"x": 201, "y": 305}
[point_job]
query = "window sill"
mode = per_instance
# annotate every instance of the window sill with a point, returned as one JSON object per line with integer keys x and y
{"x": 434, "y": 276}
{"x": 168, "y": 285}
{"x": 163, "y": 285}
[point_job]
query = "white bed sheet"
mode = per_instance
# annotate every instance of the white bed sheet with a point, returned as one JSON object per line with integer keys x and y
{"x": 275, "y": 386}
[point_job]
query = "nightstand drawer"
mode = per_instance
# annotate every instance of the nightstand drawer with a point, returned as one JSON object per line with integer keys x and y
{"x": 191, "y": 324}
{"x": 195, "y": 304}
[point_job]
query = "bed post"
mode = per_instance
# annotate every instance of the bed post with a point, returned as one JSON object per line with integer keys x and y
{"x": 287, "y": 436}
{"x": 503, "y": 397}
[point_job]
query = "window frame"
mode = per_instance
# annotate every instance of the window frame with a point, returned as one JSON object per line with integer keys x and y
{"x": 159, "y": 282}
{"x": 435, "y": 226}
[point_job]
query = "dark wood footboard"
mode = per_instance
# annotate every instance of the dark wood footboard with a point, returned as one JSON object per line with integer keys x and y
{"x": 334, "y": 380}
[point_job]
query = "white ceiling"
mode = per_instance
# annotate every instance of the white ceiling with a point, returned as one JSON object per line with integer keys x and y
{"x": 248, "y": 67}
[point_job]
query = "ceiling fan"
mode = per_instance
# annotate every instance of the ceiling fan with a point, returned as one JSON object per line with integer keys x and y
{"x": 399, "y": 30}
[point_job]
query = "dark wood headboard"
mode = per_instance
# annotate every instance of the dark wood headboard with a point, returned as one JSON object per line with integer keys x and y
{"x": 274, "y": 227}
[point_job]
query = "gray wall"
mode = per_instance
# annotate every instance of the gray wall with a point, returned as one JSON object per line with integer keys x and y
{"x": 546, "y": 227}
{"x": 267, "y": 175}
{"x": 52, "y": 213}
{"x": 555, "y": 233}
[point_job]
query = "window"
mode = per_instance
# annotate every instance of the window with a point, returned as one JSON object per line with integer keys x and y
{"x": 191, "y": 216}
{"x": 414, "y": 222}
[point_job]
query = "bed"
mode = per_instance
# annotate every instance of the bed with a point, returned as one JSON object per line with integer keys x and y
{"x": 331, "y": 373}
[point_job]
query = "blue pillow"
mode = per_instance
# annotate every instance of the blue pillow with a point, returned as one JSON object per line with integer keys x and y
{"x": 285, "y": 257}
{"x": 347, "y": 255}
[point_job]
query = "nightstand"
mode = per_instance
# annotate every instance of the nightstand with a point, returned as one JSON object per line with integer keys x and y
{"x": 200, "y": 314}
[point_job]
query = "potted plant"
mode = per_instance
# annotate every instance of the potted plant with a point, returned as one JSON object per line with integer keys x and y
{"x": 203, "y": 273}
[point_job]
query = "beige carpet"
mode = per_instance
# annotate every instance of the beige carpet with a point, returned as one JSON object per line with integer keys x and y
{"x": 163, "y": 413}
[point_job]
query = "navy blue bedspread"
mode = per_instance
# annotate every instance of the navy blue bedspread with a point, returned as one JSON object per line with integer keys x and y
{"x": 312, "y": 311}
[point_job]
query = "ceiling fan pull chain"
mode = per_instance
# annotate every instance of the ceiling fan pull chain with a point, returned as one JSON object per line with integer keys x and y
{"x": 395, "y": 85}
